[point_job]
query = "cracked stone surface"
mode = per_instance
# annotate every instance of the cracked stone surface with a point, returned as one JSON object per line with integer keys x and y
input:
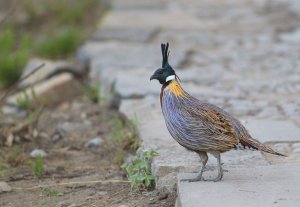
{"x": 264, "y": 185}
{"x": 243, "y": 56}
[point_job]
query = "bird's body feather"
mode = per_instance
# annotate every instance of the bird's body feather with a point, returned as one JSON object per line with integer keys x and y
{"x": 201, "y": 126}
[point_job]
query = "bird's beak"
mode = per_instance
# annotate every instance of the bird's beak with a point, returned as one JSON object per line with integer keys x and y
{"x": 154, "y": 76}
{"x": 157, "y": 74}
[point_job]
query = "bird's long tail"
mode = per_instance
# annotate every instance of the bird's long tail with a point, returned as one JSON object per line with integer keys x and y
{"x": 256, "y": 145}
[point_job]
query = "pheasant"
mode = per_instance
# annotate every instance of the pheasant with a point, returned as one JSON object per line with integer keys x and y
{"x": 198, "y": 125}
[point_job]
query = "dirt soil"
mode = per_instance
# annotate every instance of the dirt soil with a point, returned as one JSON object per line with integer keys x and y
{"x": 74, "y": 175}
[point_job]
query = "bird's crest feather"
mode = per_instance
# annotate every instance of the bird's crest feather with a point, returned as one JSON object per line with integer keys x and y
{"x": 165, "y": 55}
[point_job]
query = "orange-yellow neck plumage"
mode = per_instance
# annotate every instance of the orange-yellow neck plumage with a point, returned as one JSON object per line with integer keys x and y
{"x": 175, "y": 88}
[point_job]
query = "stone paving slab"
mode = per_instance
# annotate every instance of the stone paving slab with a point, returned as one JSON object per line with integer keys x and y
{"x": 138, "y": 86}
{"x": 118, "y": 55}
{"x": 139, "y": 5}
{"x": 154, "y": 19}
{"x": 123, "y": 34}
{"x": 260, "y": 186}
{"x": 273, "y": 130}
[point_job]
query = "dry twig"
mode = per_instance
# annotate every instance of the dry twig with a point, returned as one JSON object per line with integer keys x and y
{"x": 73, "y": 183}
{"x": 10, "y": 12}
{"x": 13, "y": 87}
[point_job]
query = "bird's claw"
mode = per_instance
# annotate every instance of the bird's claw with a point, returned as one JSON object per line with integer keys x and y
{"x": 198, "y": 178}
{"x": 213, "y": 179}
{"x": 208, "y": 168}
{"x": 211, "y": 168}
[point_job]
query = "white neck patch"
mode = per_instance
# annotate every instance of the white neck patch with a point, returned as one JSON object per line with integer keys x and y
{"x": 170, "y": 77}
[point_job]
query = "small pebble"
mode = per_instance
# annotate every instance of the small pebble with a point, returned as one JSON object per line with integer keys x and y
{"x": 56, "y": 137}
{"x": 63, "y": 204}
{"x": 35, "y": 133}
{"x": 17, "y": 139}
{"x": 38, "y": 152}
{"x": 89, "y": 198}
{"x": 4, "y": 187}
{"x": 146, "y": 193}
{"x": 17, "y": 177}
{"x": 101, "y": 193}
{"x": 69, "y": 127}
{"x": 83, "y": 115}
{"x": 163, "y": 196}
{"x": 152, "y": 202}
{"x": 95, "y": 142}
{"x": 44, "y": 135}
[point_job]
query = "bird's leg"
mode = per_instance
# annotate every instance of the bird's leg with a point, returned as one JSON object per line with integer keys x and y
{"x": 209, "y": 168}
{"x": 212, "y": 168}
{"x": 204, "y": 159}
{"x": 220, "y": 169}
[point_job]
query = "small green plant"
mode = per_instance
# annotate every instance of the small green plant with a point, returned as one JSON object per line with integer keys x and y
{"x": 51, "y": 192}
{"x": 14, "y": 54}
{"x": 60, "y": 45}
{"x": 139, "y": 171}
{"x": 26, "y": 101}
{"x": 117, "y": 132}
{"x": 93, "y": 93}
{"x": 4, "y": 168}
{"x": 132, "y": 125}
{"x": 38, "y": 166}
{"x": 125, "y": 134}
{"x": 119, "y": 157}
{"x": 15, "y": 152}
{"x": 2, "y": 165}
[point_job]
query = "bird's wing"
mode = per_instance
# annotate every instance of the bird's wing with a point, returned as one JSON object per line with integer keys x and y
{"x": 217, "y": 130}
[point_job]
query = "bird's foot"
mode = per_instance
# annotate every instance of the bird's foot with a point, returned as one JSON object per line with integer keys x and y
{"x": 209, "y": 168}
{"x": 213, "y": 179}
{"x": 198, "y": 178}
{"x": 224, "y": 170}
{"x": 212, "y": 168}
{"x": 216, "y": 179}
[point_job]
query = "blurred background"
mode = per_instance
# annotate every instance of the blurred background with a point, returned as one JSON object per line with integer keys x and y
{"x": 47, "y": 29}
{"x": 73, "y": 75}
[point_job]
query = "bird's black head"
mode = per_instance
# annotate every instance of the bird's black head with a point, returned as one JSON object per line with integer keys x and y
{"x": 166, "y": 72}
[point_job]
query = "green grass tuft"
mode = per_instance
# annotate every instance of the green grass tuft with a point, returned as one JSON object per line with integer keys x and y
{"x": 13, "y": 56}
{"x": 125, "y": 134}
{"x": 38, "y": 166}
{"x": 93, "y": 93}
{"x": 52, "y": 192}
{"x": 60, "y": 45}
